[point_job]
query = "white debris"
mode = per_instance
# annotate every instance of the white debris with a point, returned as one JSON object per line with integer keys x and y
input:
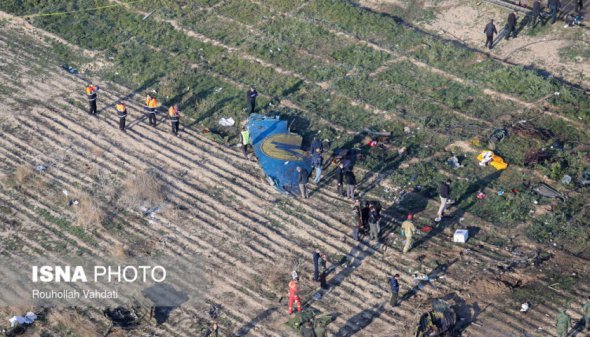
{"x": 29, "y": 318}
{"x": 41, "y": 168}
{"x": 226, "y": 121}
{"x": 524, "y": 307}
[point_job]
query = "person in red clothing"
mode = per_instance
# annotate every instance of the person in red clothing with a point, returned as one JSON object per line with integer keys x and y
{"x": 294, "y": 293}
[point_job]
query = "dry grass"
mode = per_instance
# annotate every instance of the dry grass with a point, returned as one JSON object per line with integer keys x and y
{"x": 278, "y": 273}
{"x": 142, "y": 190}
{"x": 69, "y": 323}
{"x": 22, "y": 174}
{"x": 88, "y": 213}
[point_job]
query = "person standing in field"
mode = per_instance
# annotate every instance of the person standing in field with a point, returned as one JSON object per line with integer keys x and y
{"x": 152, "y": 108}
{"x": 408, "y": 230}
{"x": 394, "y": 286}
{"x": 174, "y": 116}
{"x": 302, "y": 179}
{"x": 586, "y": 314}
{"x": 511, "y": 25}
{"x": 374, "y": 219}
{"x": 563, "y": 323}
{"x": 316, "y": 260}
{"x": 349, "y": 182}
{"x": 316, "y": 162}
{"x": 245, "y": 138}
{"x": 554, "y": 6}
{"x": 315, "y": 145}
{"x": 340, "y": 178}
{"x": 323, "y": 271}
{"x": 91, "y": 90}
{"x": 251, "y": 97}
{"x": 490, "y": 30}
{"x": 294, "y": 293}
{"x": 536, "y": 12}
{"x": 122, "y": 113}
{"x": 444, "y": 191}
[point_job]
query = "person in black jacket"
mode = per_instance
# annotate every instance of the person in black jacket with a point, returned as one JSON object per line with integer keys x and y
{"x": 490, "y": 30}
{"x": 536, "y": 13}
{"x": 579, "y": 6}
{"x": 251, "y": 96}
{"x": 316, "y": 260}
{"x": 444, "y": 191}
{"x": 302, "y": 178}
{"x": 323, "y": 271}
{"x": 350, "y": 182}
{"x": 511, "y": 25}
{"x": 554, "y": 5}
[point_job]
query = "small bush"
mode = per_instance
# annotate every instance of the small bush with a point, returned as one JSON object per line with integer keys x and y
{"x": 142, "y": 190}
{"x": 22, "y": 174}
{"x": 88, "y": 213}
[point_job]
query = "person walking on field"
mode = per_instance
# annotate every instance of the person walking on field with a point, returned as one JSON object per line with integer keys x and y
{"x": 316, "y": 162}
{"x": 490, "y": 30}
{"x": 563, "y": 324}
{"x": 294, "y": 293}
{"x": 245, "y": 138}
{"x": 554, "y": 5}
{"x": 586, "y": 314}
{"x": 358, "y": 220}
{"x": 394, "y": 286}
{"x": 91, "y": 90}
{"x": 323, "y": 271}
{"x": 408, "y": 230}
{"x": 374, "y": 219}
{"x": 349, "y": 182}
{"x": 152, "y": 107}
{"x": 511, "y": 25}
{"x": 251, "y": 97}
{"x": 444, "y": 191}
{"x": 122, "y": 113}
{"x": 302, "y": 179}
{"x": 174, "y": 116}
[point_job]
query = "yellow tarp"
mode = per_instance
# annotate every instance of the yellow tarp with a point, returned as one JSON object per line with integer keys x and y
{"x": 497, "y": 162}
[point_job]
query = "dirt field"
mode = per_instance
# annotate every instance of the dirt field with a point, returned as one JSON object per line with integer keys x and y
{"x": 215, "y": 204}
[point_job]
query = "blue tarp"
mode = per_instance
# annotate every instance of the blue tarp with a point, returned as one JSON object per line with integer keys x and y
{"x": 278, "y": 151}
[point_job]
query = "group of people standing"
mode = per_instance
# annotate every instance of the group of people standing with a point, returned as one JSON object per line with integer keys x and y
{"x": 151, "y": 107}
{"x": 537, "y": 15}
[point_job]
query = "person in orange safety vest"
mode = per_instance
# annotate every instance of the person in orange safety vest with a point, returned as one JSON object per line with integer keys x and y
{"x": 174, "y": 116}
{"x": 152, "y": 108}
{"x": 122, "y": 113}
{"x": 294, "y": 293}
{"x": 91, "y": 90}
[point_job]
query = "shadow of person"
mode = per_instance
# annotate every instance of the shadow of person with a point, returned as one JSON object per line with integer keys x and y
{"x": 165, "y": 299}
{"x": 245, "y": 329}
{"x": 360, "y": 321}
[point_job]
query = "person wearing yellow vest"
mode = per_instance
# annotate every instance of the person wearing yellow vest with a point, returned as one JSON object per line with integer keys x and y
{"x": 122, "y": 113}
{"x": 152, "y": 108}
{"x": 174, "y": 116}
{"x": 245, "y": 137}
{"x": 91, "y": 90}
